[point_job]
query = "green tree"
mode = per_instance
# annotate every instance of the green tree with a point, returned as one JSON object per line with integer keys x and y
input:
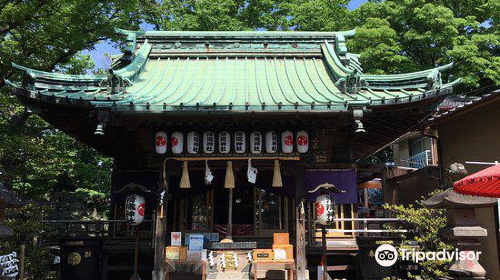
{"x": 35, "y": 158}
{"x": 226, "y": 15}
{"x": 402, "y": 36}
{"x": 45, "y": 33}
{"x": 424, "y": 226}
{"x": 318, "y": 15}
{"x": 28, "y": 228}
{"x": 232, "y": 15}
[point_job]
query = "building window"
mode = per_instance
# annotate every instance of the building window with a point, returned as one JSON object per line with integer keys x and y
{"x": 420, "y": 154}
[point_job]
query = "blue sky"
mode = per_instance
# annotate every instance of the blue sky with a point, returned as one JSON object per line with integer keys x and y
{"x": 107, "y": 47}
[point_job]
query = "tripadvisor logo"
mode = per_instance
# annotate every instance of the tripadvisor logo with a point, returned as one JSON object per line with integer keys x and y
{"x": 386, "y": 255}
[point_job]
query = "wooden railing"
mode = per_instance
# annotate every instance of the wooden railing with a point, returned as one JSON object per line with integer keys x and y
{"x": 357, "y": 227}
{"x": 116, "y": 230}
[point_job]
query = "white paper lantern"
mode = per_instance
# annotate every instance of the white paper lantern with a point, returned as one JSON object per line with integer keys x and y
{"x": 287, "y": 142}
{"x": 177, "y": 142}
{"x": 208, "y": 142}
{"x": 256, "y": 142}
{"x": 325, "y": 209}
{"x": 224, "y": 142}
{"x": 135, "y": 206}
{"x": 240, "y": 142}
{"x": 302, "y": 141}
{"x": 193, "y": 142}
{"x": 271, "y": 142}
{"x": 161, "y": 142}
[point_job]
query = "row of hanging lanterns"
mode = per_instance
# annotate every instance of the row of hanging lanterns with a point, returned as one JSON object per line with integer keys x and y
{"x": 257, "y": 143}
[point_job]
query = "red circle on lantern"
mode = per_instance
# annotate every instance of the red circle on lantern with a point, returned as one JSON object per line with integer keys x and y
{"x": 288, "y": 140}
{"x": 160, "y": 141}
{"x": 320, "y": 209}
{"x": 302, "y": 140}
{"x": 174, "y": 141}
{"x": 141, "y": 209}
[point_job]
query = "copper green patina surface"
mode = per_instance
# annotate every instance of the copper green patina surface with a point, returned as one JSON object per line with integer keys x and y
{"x": 259, "y": 71}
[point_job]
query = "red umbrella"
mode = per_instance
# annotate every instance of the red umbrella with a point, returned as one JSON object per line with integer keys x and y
{"x": 483, "y": 183}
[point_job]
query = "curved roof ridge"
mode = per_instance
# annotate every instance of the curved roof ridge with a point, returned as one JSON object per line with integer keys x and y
{"x": 57, "y": 76}
{"x": 237, "y": 34}
{"x": 452, "y": 83}
{"x": 333, "y": 62}
{"x": 418, "y": 74}
{"x": 132, "y": 70}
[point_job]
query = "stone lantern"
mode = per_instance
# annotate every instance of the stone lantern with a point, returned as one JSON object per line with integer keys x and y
{"x": 462, "y": 230}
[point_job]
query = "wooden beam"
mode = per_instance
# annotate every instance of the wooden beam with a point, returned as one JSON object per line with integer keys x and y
{"x": 161, "y": 230}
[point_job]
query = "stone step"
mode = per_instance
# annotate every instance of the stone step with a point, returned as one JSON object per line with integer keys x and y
{"x": 229, "y": 276}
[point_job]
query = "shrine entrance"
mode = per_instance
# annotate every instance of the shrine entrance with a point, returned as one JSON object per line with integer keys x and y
{"x": 256, "y": 212}
{"x": 243, "y": 208}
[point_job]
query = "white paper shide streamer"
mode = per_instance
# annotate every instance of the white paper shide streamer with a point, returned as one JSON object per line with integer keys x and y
{"x": 252, "y": 172}
{"x": 208, "y": 174}
{"x": 9, "y": 266}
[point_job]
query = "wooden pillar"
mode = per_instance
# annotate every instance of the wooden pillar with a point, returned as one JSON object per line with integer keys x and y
{"x": 300, "y": 225}
{"x": 229, "y": 230}
{"x": 136, "y": 276}
{"x": 324, "y": 252}
{"x": 161, "y": 231}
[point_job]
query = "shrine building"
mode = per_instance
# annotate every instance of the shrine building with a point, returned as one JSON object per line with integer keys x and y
{"x": 228, "y": 135}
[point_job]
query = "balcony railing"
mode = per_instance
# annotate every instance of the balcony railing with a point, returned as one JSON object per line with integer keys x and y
{"x": 420, "y": 160}
{"x": 108, "y": 230}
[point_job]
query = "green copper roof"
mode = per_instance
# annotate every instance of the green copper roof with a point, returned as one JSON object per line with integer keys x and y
{"x": 264, "y": 71}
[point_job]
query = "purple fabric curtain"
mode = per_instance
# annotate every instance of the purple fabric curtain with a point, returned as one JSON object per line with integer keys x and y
{"x": 342, "y": 179}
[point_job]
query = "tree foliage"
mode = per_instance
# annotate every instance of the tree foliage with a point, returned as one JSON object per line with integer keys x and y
{"x": 393, "y": 36}
{"x": 36, "y": 159}
{"x": 425, "y": 225}
{"x": 28, "y": 229}
{"x": 411, "y": 35}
